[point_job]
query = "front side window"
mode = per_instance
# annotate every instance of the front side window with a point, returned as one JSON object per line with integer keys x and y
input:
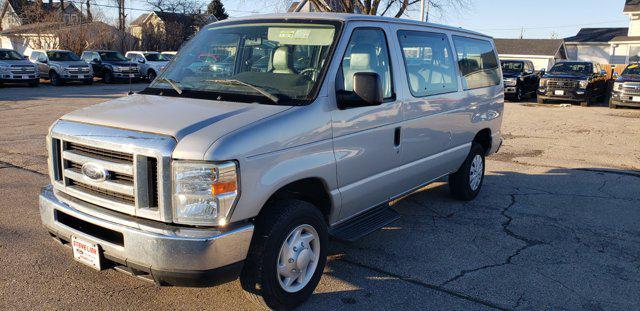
{"x": 428, "y": 62}
{"x": 62, "y": 56}
{"x": 478, "y": 62}
{"x": 367, "y": 52}
{"x": 633, "y": 69}
{"x": 512, "y": 66}
{"x": 155, "y": 57}
{"x": 284, "y": 60}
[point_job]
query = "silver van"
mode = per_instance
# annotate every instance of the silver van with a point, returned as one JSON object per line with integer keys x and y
{"x": 318, "y": 123}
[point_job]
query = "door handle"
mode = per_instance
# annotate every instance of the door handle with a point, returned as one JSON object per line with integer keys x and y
{"x": 396, "y": 137}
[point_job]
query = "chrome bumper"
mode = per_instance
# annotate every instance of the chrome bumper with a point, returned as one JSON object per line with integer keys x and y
{"x": 164, "y": 251}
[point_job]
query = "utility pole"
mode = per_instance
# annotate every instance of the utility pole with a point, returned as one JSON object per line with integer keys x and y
{"x": 425, "y": 5}
{"x": 89, "y": 16}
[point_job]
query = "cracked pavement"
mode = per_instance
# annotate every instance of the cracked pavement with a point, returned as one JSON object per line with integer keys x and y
{"x": 556, "y": 226}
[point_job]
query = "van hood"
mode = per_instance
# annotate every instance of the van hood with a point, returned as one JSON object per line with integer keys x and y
{"x": 194, "y": 123}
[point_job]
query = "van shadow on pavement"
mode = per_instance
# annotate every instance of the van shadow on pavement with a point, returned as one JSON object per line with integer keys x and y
{"x": 558, "y": 239}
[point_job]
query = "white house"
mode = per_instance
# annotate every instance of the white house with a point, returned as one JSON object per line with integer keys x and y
{"x": 542, "y": 52}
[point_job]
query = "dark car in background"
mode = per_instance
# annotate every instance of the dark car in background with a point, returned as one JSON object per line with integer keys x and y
{"x": 626, "y": 88}
{"x": 111, "y": 66}
{"x": 573, "y": 81}
{"x": 520, "y": 79}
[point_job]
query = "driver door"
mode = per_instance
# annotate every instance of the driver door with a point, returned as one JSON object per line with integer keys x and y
{"x": 366, "y": 139}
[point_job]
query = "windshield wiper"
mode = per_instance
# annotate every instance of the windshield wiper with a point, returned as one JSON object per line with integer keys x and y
{"x": 172, "y": 83}
{"x": 264, "y": 93}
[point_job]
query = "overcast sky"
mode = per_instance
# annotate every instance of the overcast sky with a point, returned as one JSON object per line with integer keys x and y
{"x": 499, "y": 18}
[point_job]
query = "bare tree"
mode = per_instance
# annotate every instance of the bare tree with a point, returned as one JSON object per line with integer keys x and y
{"x": 395, "y": 8}
{"x": 176, "y": 6}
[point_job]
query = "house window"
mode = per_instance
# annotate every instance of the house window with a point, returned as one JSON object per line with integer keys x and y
{"x": 634, "y": 53}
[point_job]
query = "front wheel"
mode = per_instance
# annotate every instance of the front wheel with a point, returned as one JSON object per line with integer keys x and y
{"x": 152, "y": 75}
{"x": 287, "y": 255}
{"x": 108, "y": 77}
{"x": 465, "y": 184}
{"x": 612, "y": 104}
{"x": 55, "y": 79}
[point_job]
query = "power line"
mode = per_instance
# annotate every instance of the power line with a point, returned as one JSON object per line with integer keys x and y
{"x": 549, "y": 27}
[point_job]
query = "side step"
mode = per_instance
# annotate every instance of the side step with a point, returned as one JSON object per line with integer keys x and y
{"x": 364, "y": 224}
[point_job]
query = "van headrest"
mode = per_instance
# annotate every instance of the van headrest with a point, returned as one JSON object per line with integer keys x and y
{"x": 282, "y": 61}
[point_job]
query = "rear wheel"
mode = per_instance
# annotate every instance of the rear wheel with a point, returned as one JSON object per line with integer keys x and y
{"x": 465, "y": 184}
{"x": 108, "y": 77}
{"x": 287, "y": 255}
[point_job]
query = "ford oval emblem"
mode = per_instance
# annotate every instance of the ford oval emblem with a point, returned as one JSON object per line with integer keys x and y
{"x": 94, "y": 172}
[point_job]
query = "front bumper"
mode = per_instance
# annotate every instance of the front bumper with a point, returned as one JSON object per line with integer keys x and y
{"x": 77, "y": 77}
{"x": 121, "y": 75}
{"x": 577, "y": 95}
{"x": 18, "y": 78}
{"x": 620, "y": 99}
{"x": 163, "y": 253}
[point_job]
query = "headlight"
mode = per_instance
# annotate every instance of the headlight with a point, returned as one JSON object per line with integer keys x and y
{"x": 510, "y": 81}
{"x": 204, "y": 193}
{"x": 618, "y": 86}
{"x": 584, "y": 84}
{"x": 543, "y": 82}
{"x": 4, "y": 69}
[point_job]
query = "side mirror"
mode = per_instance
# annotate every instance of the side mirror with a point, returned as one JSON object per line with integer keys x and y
{"x": 367, "y": 91}
{"x": 603, "y": 72}
{"x": 96, "y": 60}
{"x": 141, "y": 61}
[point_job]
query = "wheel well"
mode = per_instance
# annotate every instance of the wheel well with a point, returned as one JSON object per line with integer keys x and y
{"x": 311, "y": 190}
{"x": 484, "y": 139}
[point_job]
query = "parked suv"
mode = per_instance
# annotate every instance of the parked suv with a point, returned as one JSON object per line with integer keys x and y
{"x": 202, "y": 176}
{"x": 151, "y": 63}
{"x": 111, "y": 66}
{"x": 626, "y": 89}
{"x": 60, "y": 66}
{"x": 520, "y": 79}
{"x": 15, "y": 69}
{"x": 582, "y": 82}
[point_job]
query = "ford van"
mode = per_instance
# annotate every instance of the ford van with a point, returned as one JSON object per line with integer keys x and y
{"x": 207, "y": 174}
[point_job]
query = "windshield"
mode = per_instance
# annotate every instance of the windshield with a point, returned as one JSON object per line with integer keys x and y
{"x": 62, "y": 56}
{"x": 512, "y": 66}
{"x": 112, "y": 56}
{"x": 155, "y": 57}
{"x": 283, "y": 59}
{"x": 632, "y": 70}
{"x": 572, "y": 68}
{"x": 168, "y": 56}
{"x": 10, "y": 55}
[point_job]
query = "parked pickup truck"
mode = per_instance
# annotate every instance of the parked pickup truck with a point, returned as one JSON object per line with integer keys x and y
{"x": 111, "y": 66}
{"x": 201, "y": 178}
{"x": 15, "y": 69}
{"x": 60, "y": 66}
{"x": 583, "y": 82}
{"x": 626, "y": 89}
{"x": 520, "y": 79}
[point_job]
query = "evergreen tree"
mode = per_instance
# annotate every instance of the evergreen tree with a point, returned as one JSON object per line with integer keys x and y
{"x": 216, "y": 8}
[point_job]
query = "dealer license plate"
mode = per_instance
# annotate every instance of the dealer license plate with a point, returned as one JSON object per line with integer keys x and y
{"x": 559, "y": 92}
{"x": 86, "y": 252}
{"x": 132, "y": 76}
{"x": 25, "y": 77}
{"x": 635, "y": 99}
{"x": 81, "y": 77}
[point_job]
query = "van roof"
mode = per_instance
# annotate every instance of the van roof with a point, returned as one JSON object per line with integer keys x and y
{"x": 345, "y": 17}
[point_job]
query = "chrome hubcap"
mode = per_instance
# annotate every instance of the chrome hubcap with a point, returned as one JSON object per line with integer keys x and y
{"x": 475, "y": 174}
{"x": 298, "y": 258}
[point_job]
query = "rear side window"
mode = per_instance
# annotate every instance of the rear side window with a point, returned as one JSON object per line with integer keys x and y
{"x": 428, "y": 62}
{"x": 478, "y": 63}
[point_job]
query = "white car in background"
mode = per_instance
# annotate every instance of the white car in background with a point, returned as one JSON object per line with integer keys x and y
{"x": 150, "y": 63}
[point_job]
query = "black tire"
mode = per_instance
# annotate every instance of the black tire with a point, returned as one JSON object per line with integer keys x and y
{"x": 540, "y": 101}
{"x": 151, "y": 75}
{"x": 55, "y": 79}
{"x": 460, "y": 181}
{"x": 108, "y": 77}
{"x": 34, "y": 83}
{"x": 259, "y": 277}
{"x": 587, "y": 102}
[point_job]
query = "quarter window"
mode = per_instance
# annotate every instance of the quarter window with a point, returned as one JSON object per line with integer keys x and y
{"x": 367, "y": 52}
{"x": 428, "y": 62}
{"x": 478, "y": 63}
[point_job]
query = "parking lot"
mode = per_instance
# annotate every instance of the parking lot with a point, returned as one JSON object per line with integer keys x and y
{"x": 556, "y": 226}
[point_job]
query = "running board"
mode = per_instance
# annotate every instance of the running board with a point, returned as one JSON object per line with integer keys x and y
{"x": 364, "y": 224}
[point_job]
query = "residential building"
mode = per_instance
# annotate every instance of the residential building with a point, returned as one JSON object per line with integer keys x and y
{"x": 594, "y": 44}
{"x": 542, "y": 52}
{"x": 14, "y": 13}
{"x": 155, "y": 26}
